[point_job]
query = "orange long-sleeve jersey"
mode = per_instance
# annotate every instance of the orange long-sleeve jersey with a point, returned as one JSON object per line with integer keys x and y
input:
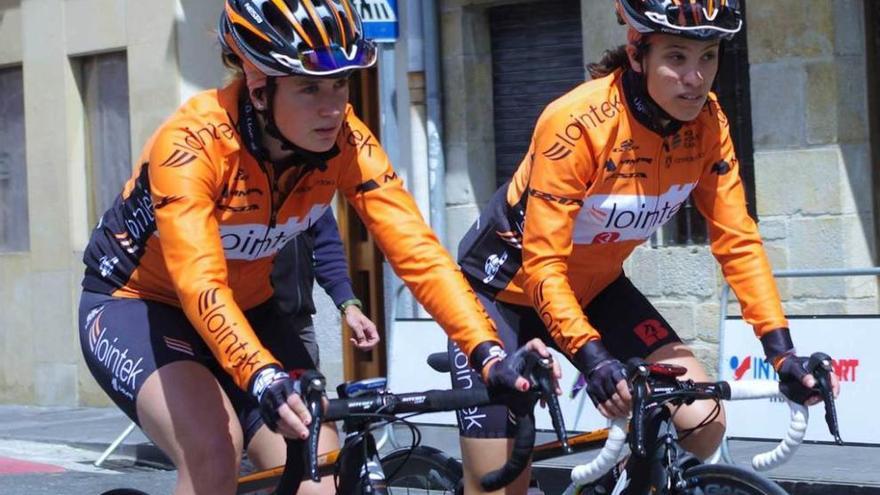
{"x": 197, "y": 226}
{"x": 596, "y": 183}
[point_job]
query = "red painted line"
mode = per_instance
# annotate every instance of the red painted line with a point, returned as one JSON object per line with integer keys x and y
{"x": 16, "y": 466}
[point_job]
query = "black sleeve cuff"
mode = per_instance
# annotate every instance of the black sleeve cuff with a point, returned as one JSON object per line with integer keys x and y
{"x": 484, "y": 353}
{"x": 776, "y": 343}
{"x": 590, "y": 355}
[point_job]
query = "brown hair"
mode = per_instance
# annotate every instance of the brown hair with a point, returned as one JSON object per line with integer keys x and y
{"x": 610, "y": 62}
{"x": 617, "y": 58}
{"x": 234, "y": 70}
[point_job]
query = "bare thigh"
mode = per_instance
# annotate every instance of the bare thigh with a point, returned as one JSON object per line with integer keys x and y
{"x": 184, "y": 411}
{"x": 705, "y": 441}
{"x": 482, "y": 455}
{"x": 268, "y": 449}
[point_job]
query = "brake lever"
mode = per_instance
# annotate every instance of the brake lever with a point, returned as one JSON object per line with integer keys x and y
{"x": 543, "y": 374}
{"x": 821, "y": 366}
{"x": 639, "y": 372}
{"x": 313, "y": 386}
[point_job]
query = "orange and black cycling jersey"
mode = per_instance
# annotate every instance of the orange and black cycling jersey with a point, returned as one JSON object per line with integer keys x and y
{"x": 199, "y": 223}
{"x": 597, "y": 181}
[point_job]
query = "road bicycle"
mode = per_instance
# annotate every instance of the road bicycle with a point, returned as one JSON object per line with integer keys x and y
{"x": 659, "y": 465}
{"x": 366, "y": 405}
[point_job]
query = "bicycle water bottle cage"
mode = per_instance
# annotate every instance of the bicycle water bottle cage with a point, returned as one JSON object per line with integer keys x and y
{"x": 363, "y": 387}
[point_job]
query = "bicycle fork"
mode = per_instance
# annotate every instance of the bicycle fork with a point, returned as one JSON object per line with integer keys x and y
{"x": 360, "y": 469}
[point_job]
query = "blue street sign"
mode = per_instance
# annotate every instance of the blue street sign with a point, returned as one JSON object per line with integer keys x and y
{"x": 380, "y": 19}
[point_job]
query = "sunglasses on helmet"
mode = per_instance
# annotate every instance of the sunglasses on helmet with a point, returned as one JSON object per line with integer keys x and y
{"x": 333, "y": 59}
{"x": 694, "y": 17}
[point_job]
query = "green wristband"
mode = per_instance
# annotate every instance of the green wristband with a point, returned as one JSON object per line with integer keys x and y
{"x": 351, "y": 302}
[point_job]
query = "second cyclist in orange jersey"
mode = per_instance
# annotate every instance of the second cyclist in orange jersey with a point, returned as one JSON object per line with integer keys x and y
{"x": 608, "y": 164}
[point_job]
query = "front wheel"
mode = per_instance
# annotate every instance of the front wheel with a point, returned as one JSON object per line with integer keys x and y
{"x": 427, "y": 470}
{"x": 722, "y": 479}
{"x": 707, "y": 479}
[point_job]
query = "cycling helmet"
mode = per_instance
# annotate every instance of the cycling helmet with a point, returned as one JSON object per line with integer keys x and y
{"x": 296, "y": 37}
{"x": 696, "y": 19}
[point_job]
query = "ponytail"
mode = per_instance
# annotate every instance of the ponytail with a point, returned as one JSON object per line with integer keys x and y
{"x": 610, "y": 62}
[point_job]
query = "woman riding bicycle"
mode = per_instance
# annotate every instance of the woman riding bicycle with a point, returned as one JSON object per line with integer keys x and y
{"x": 609, "y": 163}
{"x": 177, "y": 322}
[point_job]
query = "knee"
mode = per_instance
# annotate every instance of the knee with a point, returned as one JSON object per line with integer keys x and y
{"x": 212, "y": 463}
{"x": 699, "y": 435}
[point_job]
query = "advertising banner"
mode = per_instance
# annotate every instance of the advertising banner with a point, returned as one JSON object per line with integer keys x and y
{"x": 849, "y": 340}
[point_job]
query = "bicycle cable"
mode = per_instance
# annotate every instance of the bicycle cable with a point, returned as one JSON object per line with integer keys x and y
{"x": 388, "y": 419}
{"x": 713, "y": 414}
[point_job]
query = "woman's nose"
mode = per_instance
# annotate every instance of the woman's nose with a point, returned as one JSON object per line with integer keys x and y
{"x": 694, "y": 77}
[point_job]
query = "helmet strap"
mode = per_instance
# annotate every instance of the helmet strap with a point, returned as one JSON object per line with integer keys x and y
{"x": 647, "y": 111}
{"x": 300, "y": 155}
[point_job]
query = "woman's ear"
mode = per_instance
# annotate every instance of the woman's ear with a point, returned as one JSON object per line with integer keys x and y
{"x": 258, "y": 98}
{"x": 631, "y": 54}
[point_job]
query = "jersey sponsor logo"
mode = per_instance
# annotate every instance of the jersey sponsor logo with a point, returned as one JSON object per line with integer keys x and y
{"x": 221, "y": 327}
{"x": 123, "y": 369}
{"x": 106, "y": 265}
{"x": 165, "y": 201}
{"x": 686, "y": 137}
{"x": 255, "y": 241}
{"x": 238, "y": 209}
{"x": 178, "y": 159}
{"x": 628, "y": 175}
{"x": 541, "y": 302}
{"x": 625, "y": 145}
{"x": 579, "y": 125}
{"x": 556, "y": 199}
{"x": 463, "y": 378}
{"x": 636, "y": 161}
{"x": 363, "y": 142}
{"x": 714, "y": 109}
{"x": 606, "y": 237}
{"x": 513, "y": 239}
{"x": 124, "y": 240}
{"x": 493, "y": 265}
{"x": 631, "y": 216}
{"x": 610, "y": 166}
{"x": 241, "y": 193}
{"x": 197, "y": 140}
{"x": 651, "y": 331}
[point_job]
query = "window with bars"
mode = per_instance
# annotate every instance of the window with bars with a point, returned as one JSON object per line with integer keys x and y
{"x": 14, "y": 234}
{"x": 104, "y": 91}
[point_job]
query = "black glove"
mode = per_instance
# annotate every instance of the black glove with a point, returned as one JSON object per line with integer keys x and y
{"x": 502, "y": 376}
{"x": 779, "y": 350}
{"x": 271, "y": 386}
{"x": 601, "y": 371}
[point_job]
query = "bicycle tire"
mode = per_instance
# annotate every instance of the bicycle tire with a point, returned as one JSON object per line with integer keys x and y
{"x": 427, "y": 470}
{"x": 713, "y": 479}
{"x": 723, "y": 478}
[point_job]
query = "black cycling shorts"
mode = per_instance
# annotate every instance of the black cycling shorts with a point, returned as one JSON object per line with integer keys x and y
{"x": 125, "y": 340}
{"x": 629, "y": 324}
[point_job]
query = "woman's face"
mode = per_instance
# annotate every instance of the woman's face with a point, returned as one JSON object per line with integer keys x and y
{"x": 680, "y": 72}
{"x": 309, "y": 111}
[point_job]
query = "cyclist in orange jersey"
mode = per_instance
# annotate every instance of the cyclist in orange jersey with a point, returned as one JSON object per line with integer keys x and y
{"x": 177, "y": 319}
{"x": 609, "y": 163}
